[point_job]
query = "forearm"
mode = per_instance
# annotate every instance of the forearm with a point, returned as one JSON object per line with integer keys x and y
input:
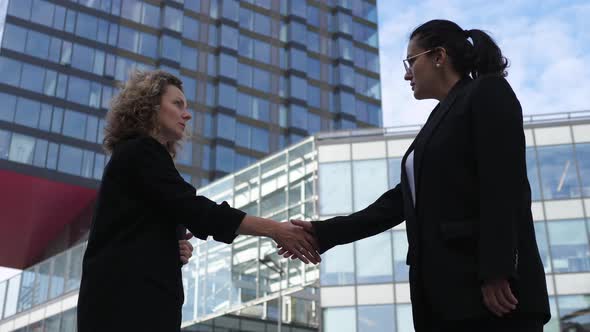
{"x": 257, "y": 226}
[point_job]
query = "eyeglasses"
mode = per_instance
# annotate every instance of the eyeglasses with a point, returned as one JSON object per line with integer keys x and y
{"x": 408, "y": 62}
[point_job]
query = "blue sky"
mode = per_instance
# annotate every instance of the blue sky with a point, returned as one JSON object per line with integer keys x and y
{"x": 547, "y": 43}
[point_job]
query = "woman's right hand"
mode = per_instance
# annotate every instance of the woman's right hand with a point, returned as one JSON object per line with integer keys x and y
{"x": 296, "y": 240}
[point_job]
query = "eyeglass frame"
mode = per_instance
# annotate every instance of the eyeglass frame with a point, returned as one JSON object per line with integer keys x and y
{"x": 408, "y": 65}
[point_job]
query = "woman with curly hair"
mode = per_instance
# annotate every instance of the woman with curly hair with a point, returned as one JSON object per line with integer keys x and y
{"x": 131, "y": 279}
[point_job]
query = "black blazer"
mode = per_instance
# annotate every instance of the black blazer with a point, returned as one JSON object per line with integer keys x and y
{"x": 131, "y": 278}
{"x": 472, "y": 219}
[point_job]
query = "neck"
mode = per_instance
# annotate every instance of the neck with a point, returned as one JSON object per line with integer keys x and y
{"x": 160, "y": 139}
{"x": 448, "y": 82}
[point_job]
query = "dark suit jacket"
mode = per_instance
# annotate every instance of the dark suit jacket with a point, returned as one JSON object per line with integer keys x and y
{"x": 131, "y": 279}
{"x": 472, "y": 218}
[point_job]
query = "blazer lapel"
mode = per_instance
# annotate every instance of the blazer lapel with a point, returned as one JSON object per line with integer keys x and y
{"x": 438, "y": 114}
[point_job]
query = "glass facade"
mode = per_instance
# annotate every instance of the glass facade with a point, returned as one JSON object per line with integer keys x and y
{"x": 271, "y": 55}
{"x": 363, "y": 286}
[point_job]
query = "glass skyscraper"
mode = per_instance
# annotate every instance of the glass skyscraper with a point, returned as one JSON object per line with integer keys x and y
{"x": 358, "y": 287}
{"x": 258, "y": 74}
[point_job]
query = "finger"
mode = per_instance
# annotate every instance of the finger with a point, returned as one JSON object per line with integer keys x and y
{"x": 313, "y": 242}
{"x": 183, "y": 260}
{"x": 509, "y": 295}
{"x": 281, "y": 251}
{"x": 503, "y": 302}
{"x": 305, "y": 224}
{"x": 190, "y": 246}
{"x": 309, "y": 252}
{"x": 299, "y": 255}
{"x": 188, "y": 236}
{"x": 498, "y": 309}
{"x": 488, "y": 302}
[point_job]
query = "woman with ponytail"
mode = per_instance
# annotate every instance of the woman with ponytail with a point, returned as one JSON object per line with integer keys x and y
{"x": 464, "y": 193}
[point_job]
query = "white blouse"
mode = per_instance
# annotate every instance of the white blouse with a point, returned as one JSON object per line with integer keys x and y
{"x": 410, "y": 172}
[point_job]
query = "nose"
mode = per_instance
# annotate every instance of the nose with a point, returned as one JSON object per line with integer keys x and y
{"x": 408, "y": 75}
{"x": 187, "y": 115}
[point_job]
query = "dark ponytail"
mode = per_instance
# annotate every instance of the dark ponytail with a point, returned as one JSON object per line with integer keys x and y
{"x": 480, "y": 58}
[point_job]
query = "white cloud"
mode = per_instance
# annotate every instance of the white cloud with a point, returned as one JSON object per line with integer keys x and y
{"x": 546, "y": 43}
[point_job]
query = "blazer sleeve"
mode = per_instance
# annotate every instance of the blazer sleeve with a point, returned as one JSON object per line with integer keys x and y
{"x": 152, "y": 171}
{"x": 501, "y": 169}
{"x": 384, "y": 213}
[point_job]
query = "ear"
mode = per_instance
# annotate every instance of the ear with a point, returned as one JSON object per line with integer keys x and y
{"x": 440, "y": 56}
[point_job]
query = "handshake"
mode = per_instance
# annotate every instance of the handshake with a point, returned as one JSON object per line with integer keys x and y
{"x": 295, "y": 239}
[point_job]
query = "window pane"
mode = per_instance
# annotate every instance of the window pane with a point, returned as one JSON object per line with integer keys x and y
{"x": 14, "y": 37}
{"x": 10, "y": 70}
{"x": 131, "y": 10}
{"x": 21, "y": 149}
{"x": 261, "y": 80}
{"x": 151, "y": 15}
{"x": 533, "y": 173}
{"x": 74, "y": 124}
{"x": 260, "y": 139}
{"x": 373, "y": 259}
{"x": 298, "y": 87}
{"x": 228, "y": 65}
{"x": 32, "y": 78}
{"x": 261, "y": 51}
{"x": 230, "y": 9}
{"x": 573, "y": 311}
{"x": 91, "y": 128}
{"x": 227, "y": 96}
{"x": 40, "y": 153}
{"x": 171, "y": 48}
{"x": 7, "y": 111}
{"x": 338, "y": 266}
{"x": 583, "y": 157}
{"x": 20, "y": 8}
{"x": 339, "y": 320}
{"x": 226, "y": 126}
{"x": 229, "y": 37}
{"x": 376, "y": 318}
{"x": 189, "y": 86}
{"x": 558, "y": 172}
{"x": 568, "y": 240}
{"x": 42, "y": 12}
{"x": 369, "y": 181}
{"x": 185, "y": 155}
{"x": 4, "y": 144}
{"x": 86, "y": 26}
{"x": 173, "y": 19}
{"x": 262, "y": 24}
{"x": 400, "y": 252}
{"x": 224, "y": 159}
{"x": 405, "y": 322}
{"x": 83, "y": 57}
{"x": 27, "y": 112}
{"x": 335, "y": 188}
{"x": 543, "y": 245}
{"x": 70, "y": 160}
{"x": 79, "y": 90}
{"x": 190, "y": 29}
{"x": 52, "y": 156}
{"x": 394, "y": 165}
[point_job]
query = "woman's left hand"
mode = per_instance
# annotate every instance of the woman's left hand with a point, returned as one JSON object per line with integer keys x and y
{"x": 498, "y": 297}
{"x": 186, "y": 248}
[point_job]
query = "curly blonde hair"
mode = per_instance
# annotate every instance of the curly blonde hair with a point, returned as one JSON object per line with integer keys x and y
{"x": 134, "y": 111}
